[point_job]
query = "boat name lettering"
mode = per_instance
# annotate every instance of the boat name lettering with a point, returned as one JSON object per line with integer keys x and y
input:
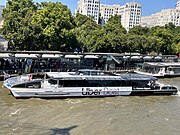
{"x": 99, "y": 91}
{"x": 89, "y": 91}
{"x": 112, "y": 91}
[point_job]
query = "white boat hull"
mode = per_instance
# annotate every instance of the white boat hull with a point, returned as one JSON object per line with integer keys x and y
{"x": 68, "y": 85}
{"x": 71, "y": 92}
{"x": 146, "y": 73}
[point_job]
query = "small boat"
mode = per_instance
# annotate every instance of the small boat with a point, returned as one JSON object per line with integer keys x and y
{"x": 159, "y": 69}
{"x": 85, "y": 83}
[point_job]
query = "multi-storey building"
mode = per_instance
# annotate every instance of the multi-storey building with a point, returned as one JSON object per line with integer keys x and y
{"x": 1, "y": 19}
{"x": 106, "y": 11}
{"x": 130, "y": 13}
{"x": 178, "y": 5}
{"x": 1, "y": 23}
{"x": 89, "y": 8}
{"x": 1, "y": 10}
{"x": 163, "y": 17}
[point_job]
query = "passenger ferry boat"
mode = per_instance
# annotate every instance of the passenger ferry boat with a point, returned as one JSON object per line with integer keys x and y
{"x": 85, "y": 83}
{"x": 159, "y": 69}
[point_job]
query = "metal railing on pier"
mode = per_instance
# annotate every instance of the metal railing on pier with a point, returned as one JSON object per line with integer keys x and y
{"x": 38, "y": 70}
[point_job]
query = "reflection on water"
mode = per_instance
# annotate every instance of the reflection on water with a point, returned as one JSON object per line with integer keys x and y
{"x": 112, "y": 115}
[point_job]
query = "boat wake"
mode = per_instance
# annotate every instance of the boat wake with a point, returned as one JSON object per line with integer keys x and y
{"x": 17, "y": 112}
{"x": 74, "y": 102}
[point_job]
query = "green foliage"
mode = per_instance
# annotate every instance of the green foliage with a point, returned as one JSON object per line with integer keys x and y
{"x": 51, "y": 26}
{"x": 17, "y": 29}
{"x": 81, "y": 19}
{"x": 176, "y": 48}
{"x": 96, "y": 41}
{"x": 164, "y": 39}
{"x": 85, "y": 31}
{"x": 52, "y": 23}
{"x": 139, "y": 30}
{"x": 114, "y": 25}
{"x": 45, "y": 26}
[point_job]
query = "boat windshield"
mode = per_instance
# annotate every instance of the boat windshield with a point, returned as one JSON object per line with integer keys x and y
{"x": 53, "y": 81}
{"x": 169, "y": 88}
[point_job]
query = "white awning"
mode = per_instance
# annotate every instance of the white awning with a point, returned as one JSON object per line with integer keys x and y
{"x": 157, "y": 57}
{"x": 4, "y": 55}
{"x": 91, "y": 57}
{"x": 25, "y": 55}
{"x": 73, "y": 56}
{"x": 50, "y": 56}
{"x": 135, "y": 57}
{"x": 126, "y": 57}
{"x": 148, "y": 57}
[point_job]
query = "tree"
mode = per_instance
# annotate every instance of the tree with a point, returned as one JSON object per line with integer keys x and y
{"x": 16, "y": 28}
{"x": 85, "y": 32}
{"x": 176, "y": 48}
{"x": 81, "y": 19}
{"x": 114, "y": 25}
{"x": 96, "y": 41}
{"x": 170, "y": 26}
{"x": 139, "y": 30}
{"x": 164, "y": 39}
{"x": 176, "y": 43}
{"x": 52, "y": 24}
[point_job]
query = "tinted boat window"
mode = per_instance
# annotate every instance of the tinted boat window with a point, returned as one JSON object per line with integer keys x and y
{"x": 93, "y": 83}
{"x": 33, "y": 85}
{"x": 72, "y": 83}
{"x": 174, "y": 88}
{"x": 140, "y": 84}
{"x": 126, "y": 83}
{"x": 20, "y": 86}
{"x": 93, "y": 73}
{"x": 165, "y": 88}
{"x": 52, "y": 81}
{"x": 157, "y": 87}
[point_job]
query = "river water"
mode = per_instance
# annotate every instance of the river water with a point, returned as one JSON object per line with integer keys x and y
{"x": 145, "y": 115}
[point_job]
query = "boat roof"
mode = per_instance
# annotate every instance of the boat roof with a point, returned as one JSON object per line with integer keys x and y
{"x": 138, "y": 77}
{"x": 82, "y": 72}
{"x": 90, "y": 78}
{"x": 161, "y": 64}
{"x": 73, "y": 76}
{"x": 126, "y": 76}
{"x": 83, "y": 75}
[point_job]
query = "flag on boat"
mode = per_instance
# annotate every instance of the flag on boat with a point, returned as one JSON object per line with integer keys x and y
{"x": 6, "y": 75}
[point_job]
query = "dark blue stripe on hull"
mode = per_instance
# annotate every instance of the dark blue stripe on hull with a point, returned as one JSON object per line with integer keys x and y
{"x": 152, "y": 93}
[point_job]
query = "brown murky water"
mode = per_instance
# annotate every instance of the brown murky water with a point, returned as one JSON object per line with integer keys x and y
{"x": 149, "y": 115}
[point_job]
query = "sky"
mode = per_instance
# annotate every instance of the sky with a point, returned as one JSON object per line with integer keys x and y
{"x": 148, "y": 6}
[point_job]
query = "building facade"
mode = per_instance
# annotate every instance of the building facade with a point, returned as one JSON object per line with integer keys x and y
{"x": 178, "y": 5}
{"x": 1, "y": 23}
{"x": 163, "y": 17}
{"x": 3, "y": 43}
{"x": 130, "y": 13}
{"x": 1, "y": 11}
{"x": 89, "y": 8}
{"x": 106, "y": 11}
